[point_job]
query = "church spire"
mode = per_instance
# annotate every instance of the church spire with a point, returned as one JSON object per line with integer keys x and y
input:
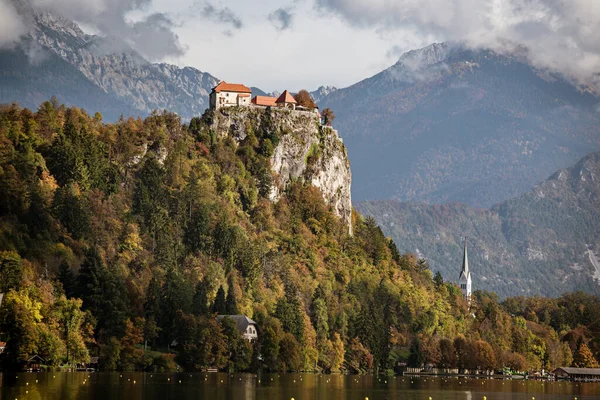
{"x": 465, "y": 265}
{"x": 465, "y": 275}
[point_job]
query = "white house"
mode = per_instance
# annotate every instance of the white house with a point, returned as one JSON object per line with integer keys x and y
{"x": 465, "y": 276}
{"x": 229, "y": 94}
{"x": 245, "y": 326}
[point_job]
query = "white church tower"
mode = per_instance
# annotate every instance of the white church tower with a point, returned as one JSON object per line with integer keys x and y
{"x": 465, "y": 277}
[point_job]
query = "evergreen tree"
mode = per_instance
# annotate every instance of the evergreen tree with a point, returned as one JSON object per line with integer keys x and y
{"x": 200, "y": 302}
{"x": 416, "y": 357}
{"x": 438, "y": 280}
{"x": 66, "y": 277}
{"x": 220, "y": 304}
{"x": 103, "y": 293}
{"x": 231, "y": 307}
{"x": 289, "y": 312}
{"x": 175, "y": 297}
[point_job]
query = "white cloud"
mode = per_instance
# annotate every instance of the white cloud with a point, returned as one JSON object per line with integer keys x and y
{"x": 11, "y": 25}
{"x": 560, "y": 35}
{"x": 152, "y": 34}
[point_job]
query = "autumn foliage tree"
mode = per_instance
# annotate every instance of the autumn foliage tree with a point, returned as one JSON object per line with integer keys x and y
{"x": 328, "y": 116}
{"x": 304, "y": 99}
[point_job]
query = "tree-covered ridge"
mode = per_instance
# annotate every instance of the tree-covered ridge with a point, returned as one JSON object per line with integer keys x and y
{"x": 124, "y": 240}
{"x": 539, "y": 243}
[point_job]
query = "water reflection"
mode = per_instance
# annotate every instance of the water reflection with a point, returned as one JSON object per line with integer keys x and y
{"x": 219, "y": 386}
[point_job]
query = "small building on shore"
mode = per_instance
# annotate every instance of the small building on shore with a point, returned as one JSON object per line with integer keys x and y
{"x": 246, "y": 326}
{"x": 577, "y": 374}
{"x": 2, "y": 347}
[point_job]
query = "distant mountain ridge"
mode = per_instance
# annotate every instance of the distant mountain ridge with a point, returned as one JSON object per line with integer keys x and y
{"x": 537, "y": 243}
{"x": 447, "y": 123}
{"x": 121, "y": 74}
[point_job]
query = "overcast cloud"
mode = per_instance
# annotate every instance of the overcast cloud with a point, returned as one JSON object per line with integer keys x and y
{"x": 152, "y": 35}
{"x": 11, "y": 26}
{"x": 561, "y": 35}
{"x": 281, "y": 18}
{"x": 222, "y": 15}
{"x": 333, "y": 42}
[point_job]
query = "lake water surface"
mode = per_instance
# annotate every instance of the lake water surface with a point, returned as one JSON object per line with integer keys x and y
{"x": 221, "y": 386}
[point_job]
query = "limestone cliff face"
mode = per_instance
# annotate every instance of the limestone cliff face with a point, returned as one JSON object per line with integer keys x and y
{"x": 306, "y": 150}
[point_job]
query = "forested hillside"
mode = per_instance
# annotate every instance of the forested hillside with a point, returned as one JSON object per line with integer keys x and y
{"x": 124, "y": 240}
{"x": 539, "y": 243}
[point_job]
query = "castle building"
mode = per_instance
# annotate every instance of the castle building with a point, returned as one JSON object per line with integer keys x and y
{"x": 229, "y": 94}
{"x": 465, "y": 276}
{"x": 286, "y": 100}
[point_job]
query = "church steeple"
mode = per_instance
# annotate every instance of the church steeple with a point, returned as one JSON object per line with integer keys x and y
{"x": 465, "y": 275}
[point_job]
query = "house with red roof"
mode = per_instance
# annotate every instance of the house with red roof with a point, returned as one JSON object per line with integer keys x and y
{"x": 264, "y": 101}
{"x": 286, "y": 100}
{"x": 229, "y": 94}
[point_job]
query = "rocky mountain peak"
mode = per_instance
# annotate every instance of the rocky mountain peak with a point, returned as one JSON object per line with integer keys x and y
{"x": 426, "y": 56}
{"x": 321, "y": 92}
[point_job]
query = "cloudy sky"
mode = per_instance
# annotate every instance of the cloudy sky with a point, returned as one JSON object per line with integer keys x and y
{"x": 275, "y": 44}
{"x": 278, "y": 44}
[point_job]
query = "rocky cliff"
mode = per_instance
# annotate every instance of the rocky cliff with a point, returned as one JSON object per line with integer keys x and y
{"x": 304, "y": 150}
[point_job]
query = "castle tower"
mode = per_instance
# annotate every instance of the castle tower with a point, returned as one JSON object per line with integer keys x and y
{"x": 465, "y": 276}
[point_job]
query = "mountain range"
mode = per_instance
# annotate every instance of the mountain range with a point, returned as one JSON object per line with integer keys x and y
{"x": 97, "y": 73}
{"x": 444, "y": 124}
{"x": 544, "y": 242}
{"x": 447, "y": 123}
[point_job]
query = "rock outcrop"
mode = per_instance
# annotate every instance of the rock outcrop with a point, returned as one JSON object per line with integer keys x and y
{"x": 306, "y": 150}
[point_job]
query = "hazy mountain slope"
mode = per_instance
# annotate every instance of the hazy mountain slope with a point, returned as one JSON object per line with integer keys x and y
{"x": 449, "y": 124}
{"x": 108, "y": 64}
{"x": 116, "y": 68}
{"x": 536, "y": 243}
{"x": 32, "y": 83}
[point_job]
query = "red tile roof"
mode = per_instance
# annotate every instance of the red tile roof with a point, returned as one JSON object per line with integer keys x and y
{"x": 264, "y": 101}
{"x": 2, "y": 344}
{"x": 286, "y": 97}
{"x": 231, "y": 87}
{"x": 244, "y": 95}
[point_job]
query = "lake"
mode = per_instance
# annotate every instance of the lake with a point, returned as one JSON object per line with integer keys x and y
{"x": 221, "y": 386}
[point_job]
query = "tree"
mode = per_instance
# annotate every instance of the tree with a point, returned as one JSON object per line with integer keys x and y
{"x": 438, "y": 280}
{"x": 239, "y": 350}
{"x": 328, "y": 116}
{"x": 231, "y": 307}
{"x": 416, "y": 358}
{"x": 319, "y": 317}
{"x": 304, "y": 99}
{"x": 358, "y": 358}
{"x": 220, "y": 304}
{"x": 584, "y": 358}
{"x": 11, "y": 271}
{"x": 66, "y": 277}
{"x": 71, "y": 319}
{"x": 270, "y": 340}
{"x": 290, "y": 353}
{"x": 103, "y": 293}
{"x": 485, "y": 357}
{"x": 19, "y": 320}
{"x": 202, "y": 342}
{"x": 447, "y": 353}
{"x": 200, "y": 301}
{"x": 289, "y": 312}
